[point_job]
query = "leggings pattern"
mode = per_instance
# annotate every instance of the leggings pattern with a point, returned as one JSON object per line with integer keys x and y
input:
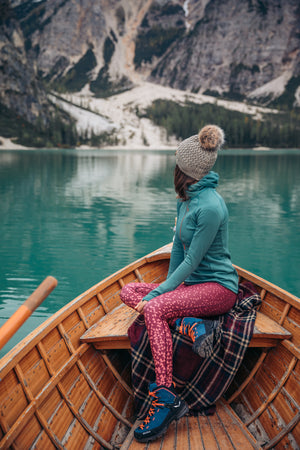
{"x": 198, "y": 300}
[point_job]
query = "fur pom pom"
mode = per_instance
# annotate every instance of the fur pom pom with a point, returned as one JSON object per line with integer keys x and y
{"x": 211, "y": 137}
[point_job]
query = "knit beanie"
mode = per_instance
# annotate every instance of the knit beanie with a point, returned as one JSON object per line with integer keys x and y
{"x": 197, "y": 154}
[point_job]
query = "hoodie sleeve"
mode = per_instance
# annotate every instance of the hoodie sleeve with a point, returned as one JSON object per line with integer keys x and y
{"x": 208, "y": 222}
{"x": 177, "y": 255}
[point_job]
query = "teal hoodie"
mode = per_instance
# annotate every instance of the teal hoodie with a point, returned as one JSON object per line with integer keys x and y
{"x": 200, "y": 248}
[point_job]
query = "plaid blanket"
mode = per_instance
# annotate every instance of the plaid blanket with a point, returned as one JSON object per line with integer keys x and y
{"x": 200, "y": 382}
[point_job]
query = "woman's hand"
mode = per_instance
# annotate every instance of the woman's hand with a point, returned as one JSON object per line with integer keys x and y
{"x": 140, "y": 306}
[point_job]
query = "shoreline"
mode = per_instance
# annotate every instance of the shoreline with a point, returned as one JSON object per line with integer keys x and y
{"x": 120, "y": 115}
{"x": 7, "y": 144}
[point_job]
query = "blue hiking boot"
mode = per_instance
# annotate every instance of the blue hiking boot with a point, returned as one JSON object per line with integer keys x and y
{"x": 203, "y": 332}
{"x": 166, "y": 406}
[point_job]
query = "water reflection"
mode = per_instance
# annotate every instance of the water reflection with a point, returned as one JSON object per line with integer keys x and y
{"x": 83, "y": 215}
{"x": 262, "y": 192}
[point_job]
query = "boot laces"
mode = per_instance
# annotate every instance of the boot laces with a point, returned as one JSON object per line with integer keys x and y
{"x": 188, "y": 330}
{"x": 155, "y": 403}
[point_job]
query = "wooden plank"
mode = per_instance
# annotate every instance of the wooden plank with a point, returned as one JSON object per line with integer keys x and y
{"x": 112, "y": 327}
{"x": 195, "y": 438}
{"x": 270, "y": 287}
{"x": 42, "y": 441}
{"x": 28, "y": 435}
{"x": 169, "y": 439}
{"x": 292, "y": 323}
{"x": 266, "y": 327}
{"x": 220, "y": 432}
{"x": 13, "y": 405}
{"x": 111, "y": 330}
{"x": 122, "y": 344}
{"x": 238, "y": 433}
{"x": 267, "y": 332}
{"x": 182, "y": 433}
{"x": 232, "y": 418}
{"x": 207, "y": 433}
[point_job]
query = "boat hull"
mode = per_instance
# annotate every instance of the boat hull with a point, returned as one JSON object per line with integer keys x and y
{"x": 57, "y": 392}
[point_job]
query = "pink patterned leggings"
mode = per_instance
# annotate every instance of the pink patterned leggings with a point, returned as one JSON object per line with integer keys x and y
{"x": 198, "y": 300}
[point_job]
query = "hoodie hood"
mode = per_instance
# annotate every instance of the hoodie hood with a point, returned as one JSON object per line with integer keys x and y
{"x": 211, "y": 180}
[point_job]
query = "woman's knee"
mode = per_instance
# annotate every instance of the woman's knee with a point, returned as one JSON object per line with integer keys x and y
{"x": 152, "y": 310}
{"x": 150, "y": 315}
{"x": 126, "y": 291}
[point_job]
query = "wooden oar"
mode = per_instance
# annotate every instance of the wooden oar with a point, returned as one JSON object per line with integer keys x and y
{"x": 12, "y": 325}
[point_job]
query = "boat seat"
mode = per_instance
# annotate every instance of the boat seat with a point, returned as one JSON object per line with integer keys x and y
{"x": 201, "y": 432}
{"x": 110, "y": 332}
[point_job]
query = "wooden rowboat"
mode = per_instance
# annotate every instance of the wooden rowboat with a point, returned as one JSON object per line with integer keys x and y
{"x": 65, "y": 387}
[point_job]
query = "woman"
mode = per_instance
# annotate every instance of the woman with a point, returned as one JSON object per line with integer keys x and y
{"x": 201, "y": 280}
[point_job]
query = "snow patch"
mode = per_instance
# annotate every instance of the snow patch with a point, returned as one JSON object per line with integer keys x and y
{"x": 275, "y": 87}
{"x": 120, "y": 113}
{"x": 186, "y": 13}
{"x": 86, "y": 121}
{"x": 186, "y": 7}
{"x": 8, "y": 144}
{"x": 297, "y": 97}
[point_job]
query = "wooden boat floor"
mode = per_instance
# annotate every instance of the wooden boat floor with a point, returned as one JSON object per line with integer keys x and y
{"x": 111, "y": 330}
{"x": 221, "y": 431}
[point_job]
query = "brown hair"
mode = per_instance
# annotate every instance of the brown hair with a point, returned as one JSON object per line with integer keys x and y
{"x": 182, "y": 183}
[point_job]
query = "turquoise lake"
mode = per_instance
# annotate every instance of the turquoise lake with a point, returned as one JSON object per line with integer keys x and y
{"x": 81, "y": 215}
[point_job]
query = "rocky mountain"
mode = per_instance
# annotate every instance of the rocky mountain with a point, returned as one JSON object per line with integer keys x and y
{"x": 25, "y": 107}
{"x": 19, "y": 88}
{"x": 246, "y": 51}
{"x": 239, "y": 49}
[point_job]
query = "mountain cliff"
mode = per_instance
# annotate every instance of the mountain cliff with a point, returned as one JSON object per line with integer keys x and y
{"x": 236, "y": 49}
{"x": 246, "y": 51}
{"x": 19, "y": 88}
{"x": 26, "y": 111}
